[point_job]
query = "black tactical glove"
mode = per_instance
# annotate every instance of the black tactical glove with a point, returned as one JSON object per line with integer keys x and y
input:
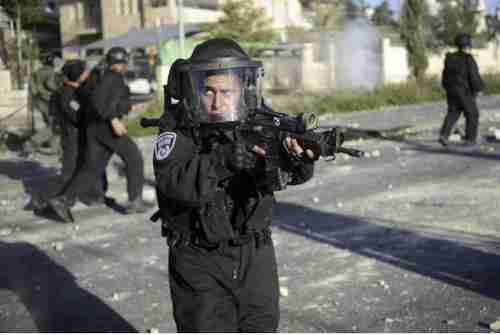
{"x": 236, "y": 156}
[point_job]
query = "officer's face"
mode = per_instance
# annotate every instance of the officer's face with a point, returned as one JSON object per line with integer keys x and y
{"x": 221, "y": 96}
{"x": 119, "y": 67}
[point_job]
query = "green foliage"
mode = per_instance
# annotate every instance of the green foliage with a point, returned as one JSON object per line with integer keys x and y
{"x": 382, "y": 15}
{"x": 354, "y": 8}
{"x": 297, "y": 34}
{"x": 328, "y": 16}
{"x": 412, "y": 35}
{"x": 244, "y": 23}
{"x": 31, "y": 12}
{"x": 350, "y": 101}
{"x": 384, "y": 96}
{"x": 153, "y": 110}
{"x": 343, "y": 101}
{"x": 453, "y": 18}
{"x": 170, "y": 50}
{"x": 492, "y": 83}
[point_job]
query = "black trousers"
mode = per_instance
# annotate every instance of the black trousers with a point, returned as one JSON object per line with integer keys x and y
{"x": 75, "y": 145}
{"x": 102, "y": 144}
{"x": 461, "y": 101}
{"x": 71, "y": 146}
{"x": 229, "y": 289}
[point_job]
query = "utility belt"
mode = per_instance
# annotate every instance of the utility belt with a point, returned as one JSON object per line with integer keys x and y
{"x": 177, "y": 235}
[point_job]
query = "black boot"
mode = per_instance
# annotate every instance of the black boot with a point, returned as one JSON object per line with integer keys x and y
{"x": 443, "y": 141}
{"x": 60, "y": 207}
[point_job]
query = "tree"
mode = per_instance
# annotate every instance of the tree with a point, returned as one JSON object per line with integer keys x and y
{"x": 412, "y": 35}
{"x": 355, "y": 8}
{"x": 25, "y": 14}
{"x": 31, "y": 11}
{"x": 382, "y": 15}
{"x": 328, "y": 16}
{"x": 454, "y": 17}
{"x": 245, "y": 23}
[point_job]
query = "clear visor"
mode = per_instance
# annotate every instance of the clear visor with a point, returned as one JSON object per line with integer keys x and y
{"x": 226, "y": 95}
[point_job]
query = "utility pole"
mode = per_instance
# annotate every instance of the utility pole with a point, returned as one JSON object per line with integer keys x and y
{"x": 180, "y": 10}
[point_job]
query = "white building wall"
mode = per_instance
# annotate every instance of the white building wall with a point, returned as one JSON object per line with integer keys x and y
{"x": 195, "y": 15}
{"x": 395, "y": 63}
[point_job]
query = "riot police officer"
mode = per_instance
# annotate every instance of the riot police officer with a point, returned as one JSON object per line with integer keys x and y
{"x": 462, "y": 82}
{"x": 215, "y": 216}
{"x": 45, "y": 82}
{"x": 70, "y": 115}
{"x": 106, "y": 135}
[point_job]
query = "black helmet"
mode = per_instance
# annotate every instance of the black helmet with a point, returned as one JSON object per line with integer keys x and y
{"x": 463, "y": 40}
{"x": 117, "y": 55}
{"x": 218, "y": 83}
{"x": 73, "y": 69}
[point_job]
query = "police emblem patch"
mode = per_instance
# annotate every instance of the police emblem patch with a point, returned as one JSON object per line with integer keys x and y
{"x": 74, "y": 105}
{"x": 164, "y": 144}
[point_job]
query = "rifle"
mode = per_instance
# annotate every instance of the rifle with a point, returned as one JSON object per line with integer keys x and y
{"x": 266, "y": 128}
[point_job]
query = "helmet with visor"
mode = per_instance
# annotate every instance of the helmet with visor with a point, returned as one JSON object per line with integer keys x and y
{"x": 219, "y": 83}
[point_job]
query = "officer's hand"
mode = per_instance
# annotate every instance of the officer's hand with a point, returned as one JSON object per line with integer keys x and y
{"x": 238, "y": 157}
{"x": 119, "y": 129}
{"x": 294, "y": 147}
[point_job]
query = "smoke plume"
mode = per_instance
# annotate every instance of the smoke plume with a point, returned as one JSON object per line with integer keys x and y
{"x": 357, "y": 56}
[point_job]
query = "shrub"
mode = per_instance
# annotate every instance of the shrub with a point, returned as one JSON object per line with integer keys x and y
{"x": 343, "y": 101}
{"x": 154, "y": 109}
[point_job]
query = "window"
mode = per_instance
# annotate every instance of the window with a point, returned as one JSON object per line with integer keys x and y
{"x": 92, "y": 14}
{"x": 72, "y": 13}
{"x": 159, "y": 3}
{"x": 79, "y": 11}
{"x": 126, "y": 7}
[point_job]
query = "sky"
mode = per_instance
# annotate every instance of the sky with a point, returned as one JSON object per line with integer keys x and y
{"x": 394, "y": 4}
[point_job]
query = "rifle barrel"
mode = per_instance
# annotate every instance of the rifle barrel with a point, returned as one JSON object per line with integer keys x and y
{"x": 147, "y": 123}
{"x": 351, "y": 152}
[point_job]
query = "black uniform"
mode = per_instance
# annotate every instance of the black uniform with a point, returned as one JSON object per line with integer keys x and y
{"x": 222, "y": 265}
{"x": 70, "y": 122}
{"x": 73, "y": 106}
{"x": 109, "y": 99}
{"x": 462, "y": 82}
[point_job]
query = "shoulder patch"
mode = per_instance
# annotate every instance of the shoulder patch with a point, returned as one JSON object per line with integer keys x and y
{"x": 164, "y": 144}
{"x": 74, "y": 105}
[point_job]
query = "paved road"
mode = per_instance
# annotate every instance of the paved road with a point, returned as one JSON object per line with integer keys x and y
{"x": 407, "y": 239}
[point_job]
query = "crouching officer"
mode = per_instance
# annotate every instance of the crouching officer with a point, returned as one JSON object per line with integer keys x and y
{"x": 222, "y": 265}
{"x": 462, "y": 82}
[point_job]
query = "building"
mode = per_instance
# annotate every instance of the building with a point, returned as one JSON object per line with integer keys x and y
{"x": 85, "y": 21}
{"x": 283, "y": 13}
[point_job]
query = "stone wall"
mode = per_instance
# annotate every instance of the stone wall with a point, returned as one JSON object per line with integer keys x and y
{"x": 5, "y": 81}
{"x": 395, "y": 65}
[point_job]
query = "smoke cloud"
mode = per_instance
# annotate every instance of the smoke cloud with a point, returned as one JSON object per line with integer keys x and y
{"x": 357, "y": 56}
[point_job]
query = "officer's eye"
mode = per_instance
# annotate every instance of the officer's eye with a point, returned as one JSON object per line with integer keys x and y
{"x": 209, "y": 92}
{"x": 226, "y": 93}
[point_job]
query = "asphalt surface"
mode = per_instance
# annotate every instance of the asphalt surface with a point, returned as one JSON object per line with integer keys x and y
{"x": 404, "y": 239}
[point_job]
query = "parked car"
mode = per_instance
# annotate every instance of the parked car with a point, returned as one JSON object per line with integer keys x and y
{"x": 137, "y": 84}
{"x": 136, "y": 77}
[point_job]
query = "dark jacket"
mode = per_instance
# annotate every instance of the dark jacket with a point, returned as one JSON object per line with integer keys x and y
{"x": 69, "y": 109}
{"x": 461, "y": 73}
{"x": 111, "y": 97}
{"x": 200, "y": 196}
